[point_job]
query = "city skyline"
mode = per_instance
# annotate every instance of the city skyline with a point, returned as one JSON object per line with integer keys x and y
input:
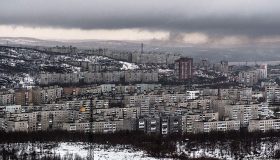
{"x": 139, "y": 79}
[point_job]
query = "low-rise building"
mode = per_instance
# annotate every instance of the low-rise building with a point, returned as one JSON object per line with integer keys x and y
{"x": 191, "y": 118}
{"x": 264, "y": 125}
{"x": 206, "y": 127}
{"x": 13, "y": 126}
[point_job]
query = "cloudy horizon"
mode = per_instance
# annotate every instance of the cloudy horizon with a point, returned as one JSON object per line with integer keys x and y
{"x": 190, "y": 21}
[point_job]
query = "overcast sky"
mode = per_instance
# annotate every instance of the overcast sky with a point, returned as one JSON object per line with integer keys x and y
{"x": 191, "y": 21}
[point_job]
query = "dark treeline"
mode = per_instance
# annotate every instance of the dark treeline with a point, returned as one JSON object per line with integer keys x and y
{"x": 154, "y": 145}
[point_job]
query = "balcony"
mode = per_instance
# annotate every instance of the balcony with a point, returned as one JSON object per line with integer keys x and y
{"x": 153, "y": 122}
{"x": 141, "y": 126}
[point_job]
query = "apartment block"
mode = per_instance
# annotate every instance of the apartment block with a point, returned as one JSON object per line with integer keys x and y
{"x": 184, "y": 68}
{"x": 264, "y": 125}
{"x": 6, "y": 98}
{"x": 206, "y": 127}
{"x": 272, "y": 94}
{"x": 243, "y": 112}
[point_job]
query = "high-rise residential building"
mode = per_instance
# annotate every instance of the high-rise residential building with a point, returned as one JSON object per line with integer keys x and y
{"x": 224, "y": 66}
{"x": 6, "y": 98}
{"x": 242, "y": 112}
{"x": 23, "y": 97}
{"x": 262, "y": 71}
{"x": 184, "y": 68}
{"x": 249, "y": 78}
{"x": 272, "y": 94}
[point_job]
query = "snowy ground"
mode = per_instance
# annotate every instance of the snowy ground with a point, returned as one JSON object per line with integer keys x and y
{"x": 101, "y": 152}
{"x": 79, "y": 150}
{"x": 221, "y": 150}
{"x": 27, "y": 81}
{"x": 263, "y": 149}
{"x": 165, "y": 70}
{"x": 128, "y": 66}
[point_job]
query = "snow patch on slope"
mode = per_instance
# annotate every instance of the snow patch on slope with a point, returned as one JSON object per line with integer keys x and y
{"x": 128, "y": 66}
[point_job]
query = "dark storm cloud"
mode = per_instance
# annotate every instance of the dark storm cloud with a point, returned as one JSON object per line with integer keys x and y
{"x": 212, "y": 17}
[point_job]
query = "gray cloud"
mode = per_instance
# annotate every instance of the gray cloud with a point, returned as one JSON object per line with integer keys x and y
{"x": 212, "y": 17}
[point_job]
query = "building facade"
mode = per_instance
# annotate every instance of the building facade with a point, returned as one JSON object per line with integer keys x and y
{"x": 184, "y": 68}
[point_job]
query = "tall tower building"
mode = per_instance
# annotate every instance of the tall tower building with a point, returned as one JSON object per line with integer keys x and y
{"x": 224, "y": 67}
{"x": 184, "y": 68}
{"x": 263, "y": 71}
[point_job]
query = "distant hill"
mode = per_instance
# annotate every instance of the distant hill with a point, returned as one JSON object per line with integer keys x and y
{"x": 249, "y": 52}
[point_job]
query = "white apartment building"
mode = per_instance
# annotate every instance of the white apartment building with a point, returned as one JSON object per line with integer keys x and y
{"x": 264, "y": 125}
{"x": 6, "y": 99}
{"x": 145, "y": 106}
{"x": 192, "y": 94}
{"x": 13, "y": 108}
{"x": 272, "y": 94}
{"x": 243, "y": 112}
{"x": 200, "y": 127}
{"x": 191, "y": 118}
{"x": 249, "y": 78}
{"x": 49, "y": 94}
{"x": 13, "y": 126}
{"x": 106, "y": 88}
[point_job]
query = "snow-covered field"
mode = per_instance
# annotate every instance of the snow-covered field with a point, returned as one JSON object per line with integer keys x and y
{"x": 73, "y": 151}
{"x": 101, "y": 152}
{"x": 264, "y": 149}
{"x": 222, "y": 150}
